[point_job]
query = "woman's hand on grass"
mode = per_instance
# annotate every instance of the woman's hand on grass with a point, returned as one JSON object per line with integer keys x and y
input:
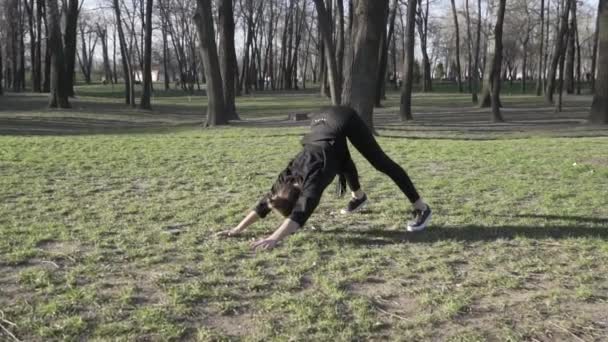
{"x": 264, "y": 244}
{"x": 228, "y": 233}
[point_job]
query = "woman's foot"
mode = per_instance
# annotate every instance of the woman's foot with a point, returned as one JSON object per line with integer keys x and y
{"x": 421, "y": 220}
{"x": 355, "y": 205}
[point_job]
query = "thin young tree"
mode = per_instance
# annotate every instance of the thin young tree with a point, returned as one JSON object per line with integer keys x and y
{"x": 599, "y": 107}
{"x": 539, "y": 80}
{"x": 571, "y": 50}
{"x": 1, "y": 73}
{"x": 203, "y": 19}
{"x": 58, "y": 97}
{"x": 475, "y": 75}
{"x": 496, "y": 81}
{"x": 595, "y": 46}
{"x": 422, "y": 21}
{"x": 102, "y": 33}
{"x": 88, "y": 42}
{"x": 147, "y": 69}
{"x": 457, "y": 32}
{"x": 408, "y": 67}
{"x": 329, "y": 52}
{"x": 557, "y": 52}
{"x": 384, "y": 52}
{"x": 125, "y": 57}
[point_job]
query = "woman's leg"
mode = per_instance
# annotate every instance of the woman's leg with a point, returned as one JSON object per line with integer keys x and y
{"x": 349, "y": 171}
{"x": 361, "y": 137}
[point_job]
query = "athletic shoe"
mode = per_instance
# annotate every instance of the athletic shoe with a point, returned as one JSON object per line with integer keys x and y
{"x": 355, "y": 204}
{"x": 421, "y": 220}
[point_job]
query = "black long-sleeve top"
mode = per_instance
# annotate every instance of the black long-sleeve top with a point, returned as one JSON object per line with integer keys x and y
{"x": 315, "y": 166}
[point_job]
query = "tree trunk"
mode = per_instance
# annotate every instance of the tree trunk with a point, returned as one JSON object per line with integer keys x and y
{"x": 474, "y": 97}
{"x": 500, "y": 16}
{"x": 126, "y": 61}
{"x": 102, "y": 33}
{"x": 557, "y": 52}
{"x": 488, "y": 74}
{"x": 340, "y": 47}
{"x": 59, "y": 92}
{"x": 458, "y": 70}
{"x": 227, "y": 56}
{"x": 469, "y": 48}
{"x": 166, "y": 76}
{"x": 147, "y": 69}
{"x": 560, "y": 82}
{"x": 215, "y": 93}
{"x": 367, "y": 31}
{"x": 599, "y": 108}
{"x": 539, "y": 80}
{"x": 1, "y": 74}
{"x": 595, "y": 47}
{"x": 408, "y": 67}
{"x": 71, "y": 12}
{"x": 330, "y": 54}
{"x": 422, "y": 22}
{"x": 578, "y": 64}
{"x": 570, "y": 53}
{"x": 384, "y": 51}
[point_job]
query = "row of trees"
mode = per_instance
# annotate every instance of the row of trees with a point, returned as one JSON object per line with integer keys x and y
{"x": 351, "y": 48}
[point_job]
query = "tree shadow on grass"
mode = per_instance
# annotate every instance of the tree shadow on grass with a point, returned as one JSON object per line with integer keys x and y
{"x": 469, "y": 233}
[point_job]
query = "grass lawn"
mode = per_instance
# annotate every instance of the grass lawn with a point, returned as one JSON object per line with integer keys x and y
{"x": 109, "y": 237}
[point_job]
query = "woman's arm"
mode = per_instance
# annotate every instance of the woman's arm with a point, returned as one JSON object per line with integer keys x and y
{"x": 286, "y": 228}
{"x": 250, "y": 219}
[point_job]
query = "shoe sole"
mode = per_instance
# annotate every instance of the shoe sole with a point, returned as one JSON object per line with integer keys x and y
{"x": 420, "y": 227}
{"x": 357, "y": 209}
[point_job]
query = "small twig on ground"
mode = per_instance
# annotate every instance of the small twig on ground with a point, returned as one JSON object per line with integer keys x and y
{"x": 50, "y": 262}
{"x": 568, "y": 331}
{"x": 6, "y": 321}
{"x": 392, "y": 314}
{"x": 9, "y": 333}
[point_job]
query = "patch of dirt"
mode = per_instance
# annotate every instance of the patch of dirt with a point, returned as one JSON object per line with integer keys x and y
{"x": 234, "y": 325}
{"x": 389, "y": 299}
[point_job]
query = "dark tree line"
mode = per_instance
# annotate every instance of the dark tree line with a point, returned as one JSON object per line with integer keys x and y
{"x": 351, "y": 49}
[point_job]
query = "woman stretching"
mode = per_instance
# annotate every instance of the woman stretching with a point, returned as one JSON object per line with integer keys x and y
{"x": 298, "y": 189}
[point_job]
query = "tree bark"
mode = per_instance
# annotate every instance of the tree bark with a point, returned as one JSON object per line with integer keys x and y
{"x": 599, "y": 108}
{"x": 102, "y": 33}
{"x": 71, "y": 12}
{"x": 329, "y": 52}
{"x": 595, "y": 47}
{"x": 422, "y": 22}
{"x": 408, "y": 68}
{"x": 474, "y": 97}
{"x": 227, "y": 56}
{"x": 500, "y": 16}
{"x": 59, "y": 92}
{"x": 126, "y": 60}
{"x": 147, "y": 69}
{"x": 215, "y": 93}
{"x": 367, "y": 31}
{"x": 557, "y": 52}
{"x": 539, "y": 80}
{"x": 166, "y": 76}
{"x": 458, "y": 70}
{"x": 571, "y": 50}
{"x": 340, "y": 46}
{"x": 384, "y": 52}
{"x": 1, "y": 74}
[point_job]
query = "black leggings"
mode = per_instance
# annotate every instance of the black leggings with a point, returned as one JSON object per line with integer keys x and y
{"x": 348, "y": 124}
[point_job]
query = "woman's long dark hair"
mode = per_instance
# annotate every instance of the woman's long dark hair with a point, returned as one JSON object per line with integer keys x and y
{"x": 285, "y": 196}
